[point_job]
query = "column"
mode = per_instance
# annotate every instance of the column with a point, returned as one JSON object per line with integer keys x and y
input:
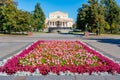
{"x": 66, "y": 24}
{"x": 53, "y": 23}
{"x": 48, "y": 25}
{"x": 61, "y": 24}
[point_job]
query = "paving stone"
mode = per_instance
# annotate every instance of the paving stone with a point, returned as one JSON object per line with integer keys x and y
{"x": 36, "y": 78}
{"x": 112, "y": 77}
{"x": 59, "y": 78}
{"x": 81, "y": 77}
{"x": 51, "y": 77}
{"x": 7, "y": 78}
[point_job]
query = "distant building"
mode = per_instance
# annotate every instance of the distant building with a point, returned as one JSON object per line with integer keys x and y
{"x": 58, "y": 21}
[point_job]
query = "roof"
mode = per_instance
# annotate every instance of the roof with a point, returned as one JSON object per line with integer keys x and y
{"x": 59, "y": 19}
{"x": 59, "y": 12}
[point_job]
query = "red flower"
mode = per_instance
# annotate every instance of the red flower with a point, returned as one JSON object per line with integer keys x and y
{"x": 44, "y": 69}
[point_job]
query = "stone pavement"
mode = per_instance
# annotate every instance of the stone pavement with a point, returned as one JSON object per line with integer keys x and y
{"x": 60, "y": 78}
{"x": 12, "y": 44}
{"x": 109, "y": 45}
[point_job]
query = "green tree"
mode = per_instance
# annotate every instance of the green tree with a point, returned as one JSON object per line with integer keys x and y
{"x": 112, "y": 12}
{"x": 74, "y": 25}
{"x": 91, "y": 14}
{"x": 22, "y": 21}
{"x": 2, "y": 2}
{"x": 39, "y": 18}
{"x": 12, "y": 19}
{"x": 8, "y": 14}
{"x": 107, "y": 26}
{"x": 97, "y": 19}
{"x": 82, "y": 17}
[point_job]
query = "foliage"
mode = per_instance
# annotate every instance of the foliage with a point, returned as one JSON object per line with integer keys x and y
{"x": 112, "y": 12}
{"x": 39, "y": 18}
{"x": 8, "y": 15}
{"x": 14, "y": 20}
{"x": 107, "y": 26}
{"x": 74, "y": 25}
{"x": 96, "y": 14}
{"x": 22, "y": 21}
{"x": 82, "y": 17}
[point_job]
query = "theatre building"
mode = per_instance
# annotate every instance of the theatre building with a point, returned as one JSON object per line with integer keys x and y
{"x": 58, "y": 22}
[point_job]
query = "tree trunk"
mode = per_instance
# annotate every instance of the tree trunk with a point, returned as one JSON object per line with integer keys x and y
{"x": 111, "y": 31}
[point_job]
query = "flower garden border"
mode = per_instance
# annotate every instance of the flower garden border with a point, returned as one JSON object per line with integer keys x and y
{"x": 10, "y": 66}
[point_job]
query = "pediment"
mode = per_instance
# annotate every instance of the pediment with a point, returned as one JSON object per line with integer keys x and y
{"x": 58, "y": 12}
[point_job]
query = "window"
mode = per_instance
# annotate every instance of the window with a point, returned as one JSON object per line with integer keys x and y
{"x": 58, "y": 16}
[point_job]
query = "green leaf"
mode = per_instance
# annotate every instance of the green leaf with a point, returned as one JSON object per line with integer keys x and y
{"x": 63, "y": 62}
{"x": 43, "y": 60}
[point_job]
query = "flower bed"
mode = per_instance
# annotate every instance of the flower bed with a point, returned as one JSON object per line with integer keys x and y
{"x": 59, "y": 56}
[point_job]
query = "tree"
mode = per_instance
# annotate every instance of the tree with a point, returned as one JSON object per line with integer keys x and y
{"x": 2, "y": 2}
{"x": 91, "y": 14}
{"x": 74, "y": 25}
{"x": 8, "y": 13}
{"x": 22, "y": 21}
{"x": 107, "y": 26}
{"x": 39, "y": 18}
{"x": 82, "y": 17}
{"x": 97, "y": 19}
{"x": 112, "y": 12}
{"x": 12, "y": 19}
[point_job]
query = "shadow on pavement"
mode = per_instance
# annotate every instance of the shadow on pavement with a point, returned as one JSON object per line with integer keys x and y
{"x": 108, "y": 40}
{"x": 71, "y": 34}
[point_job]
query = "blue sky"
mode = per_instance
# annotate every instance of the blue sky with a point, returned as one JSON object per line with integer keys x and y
{"x": 68, "y": 6}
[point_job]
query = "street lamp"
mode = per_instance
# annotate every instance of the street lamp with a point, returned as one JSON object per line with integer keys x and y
{"x": 30, "y": 27}
{"x": 86, "y": 27}
{"x": 86, "y": 32}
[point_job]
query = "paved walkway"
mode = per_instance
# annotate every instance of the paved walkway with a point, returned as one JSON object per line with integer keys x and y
{"x": 109, "y": 45}
{"x": 61, "y": 78}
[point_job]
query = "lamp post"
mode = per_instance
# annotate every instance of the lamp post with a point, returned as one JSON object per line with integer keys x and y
{"x": 86, "y": 32}
{"x": 86, "y": 27}
{"x": 30, "y": 28}
{"x": 30, "y": 32}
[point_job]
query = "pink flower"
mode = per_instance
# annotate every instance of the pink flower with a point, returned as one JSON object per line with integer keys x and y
{"x": 73, "y": 56}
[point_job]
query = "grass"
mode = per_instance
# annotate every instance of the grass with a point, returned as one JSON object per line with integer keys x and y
{"x": 1, "y": 34}
{"x": 39, "y": 32}
{"x": 94, "y": 34}
{"x": 76, "y": 32}
{"x": 117, "y": 34}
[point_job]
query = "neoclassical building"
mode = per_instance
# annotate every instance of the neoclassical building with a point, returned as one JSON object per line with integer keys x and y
{"x": 58, "y": 21}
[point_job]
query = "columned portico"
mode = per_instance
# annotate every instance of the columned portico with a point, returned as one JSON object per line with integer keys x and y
{"x": 59, "y": 20}
{"x": 56, "y": 24}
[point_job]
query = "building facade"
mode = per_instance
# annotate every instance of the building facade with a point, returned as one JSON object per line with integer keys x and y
{"x": 58, "y": 20}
